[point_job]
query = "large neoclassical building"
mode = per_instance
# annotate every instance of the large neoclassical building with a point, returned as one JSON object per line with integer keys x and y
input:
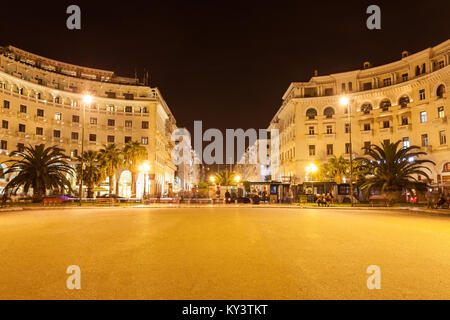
{"x": 404, "y": 100}
{"x": 41, "y": 101}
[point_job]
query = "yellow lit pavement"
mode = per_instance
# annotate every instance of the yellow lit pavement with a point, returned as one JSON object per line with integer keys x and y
{"x": 223, "y": 253}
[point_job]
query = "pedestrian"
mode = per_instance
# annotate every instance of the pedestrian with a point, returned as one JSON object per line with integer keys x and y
{"x": 429, "y": 196}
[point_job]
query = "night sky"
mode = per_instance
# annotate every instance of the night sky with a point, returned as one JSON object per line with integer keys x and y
{"x": 224, "y": 62}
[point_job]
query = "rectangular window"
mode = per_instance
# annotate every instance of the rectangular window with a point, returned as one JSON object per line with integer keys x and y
{"x": 110, "y": 108}
{"x": 111, "y": 122}
{"x": 442, "y": 137}
{"x": 128, "y": 123}
{"x": 347, "y": 128}
{"x": 387, "y": 82}
{"x": 343, "y": 87}
{"x": 39, "y": 131}
{"x": 404, "y": 77}
{"x": 347, "y": 148}
{"x": 424, "y": 139}
{"x": 366, "y": 126}
{"x": 423, "y": 117}
{"x": 405, "y": 142}
{"x": 144, "y": 124}
{"x": 312, "y": 150}
{"x": 144, "y": 140}
{"x": 329, "y": 129}
{"x": 441, "y": 112}
{"x": 350, "y": 86}
{"x": 20, "y": 147}
{"x": 75, "y": 118}
{"x": 23, "y": 108}
{"x": 58, "y": 116}
{"x": 6, "y": 104}
{"x": 328, "y": 91}
{"x": 311, "y": 130}
{"x": 386, "y": 124}
{"x": 128, "y": 109}
{"x": 386, "y": 141}
{"x": 422, "y": 94}
{"x": 367, "y": 86}
{"x": 4, "y": 145}
{"x": 329, "y": 149}
{"x": 56, "y": 134}
{"x": 74, "y": 135}
{"x": 21, "y": 128}
{"x": 5, "y": 124}
{"x": 404, "y": 120}
{"x": 93, "y": 121}
{"x": 40, "y": 112}
{"x": 127, "y": 139}
{"x": 74, "y": 153}
{"x": 92, "y": 137}
{"x": 110, "y": 139}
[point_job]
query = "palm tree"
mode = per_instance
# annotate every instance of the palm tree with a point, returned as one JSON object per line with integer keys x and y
{"x": 336, "y": 169}
{"x": 39, "y": 168}
{"x": 134, "y": 153}
{"x": 225, "y": 178}
{"x": 393, "y": 169}
{"x": 110, "y": 158}
{"x": 93, "y": 173}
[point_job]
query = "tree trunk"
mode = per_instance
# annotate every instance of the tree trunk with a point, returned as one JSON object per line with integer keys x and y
{"x": 133, "y": 184}
{"x": 37, "y": 196}
{"x": 110, "y": 178}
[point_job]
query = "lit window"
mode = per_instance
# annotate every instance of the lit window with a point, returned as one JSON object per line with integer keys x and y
{"x": 423, "y": 117}
{"x": 93, "y": 121}
{"x": 442, "y": 137}
{"x": 422, "y": 94}
{"x": 424, "y": 139}
{"x": 441, "y": 112}
{"x": 405, "y": 142}
{"x": 144, "y": 140}
{"x": 312, "y": 150}
{"x": 58, "y": 116}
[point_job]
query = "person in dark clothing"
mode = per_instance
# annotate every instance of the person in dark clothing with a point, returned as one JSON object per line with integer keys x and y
{"x": 227, "y": 197}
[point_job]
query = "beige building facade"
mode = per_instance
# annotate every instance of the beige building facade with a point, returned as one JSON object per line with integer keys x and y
{"x": 404, "y": 100}
{"x": 41, "y": 101}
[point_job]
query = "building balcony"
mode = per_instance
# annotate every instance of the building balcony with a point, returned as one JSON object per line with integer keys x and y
{"x": 23, "y": 115}
{"x": 439, "y": 121}
{"x": 366, "y": 133}
{"x": 5, "y": 132}
{"x": 428, "y": 149}
{"x": 330, "y": 135}
{"x": 22, "y": 135}
{"x": 57, "y": 122}
{"x": 384, "y": 131}
{"x": 312, "y": 136}
{"x": 404, "y": 128}
{"x": 40, "y": 119}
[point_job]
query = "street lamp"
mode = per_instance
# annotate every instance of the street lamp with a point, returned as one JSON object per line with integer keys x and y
{"x": 311, "y": 169}
{"x": 87, "y": 100}
{"x": 345, "y": 101}
{"x": 145, "y": 168}
{"x": 237, "y": 179}
{"x": 212, "y": 179}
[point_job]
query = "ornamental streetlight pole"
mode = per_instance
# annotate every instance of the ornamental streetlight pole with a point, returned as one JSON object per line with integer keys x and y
{"x": 346, "y": 101}
{"x": 87, "y": 100}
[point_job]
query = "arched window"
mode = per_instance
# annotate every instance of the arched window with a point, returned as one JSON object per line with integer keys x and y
{"x": 446, "y": 167}
{"x": 366, "y": 108}
{"x": 385, "y": 104}
{"x": 403, "y": 101}
{"x": 328, "y": 112}
{"x": 311, "y": 114}
{"x": 440, "y": 91}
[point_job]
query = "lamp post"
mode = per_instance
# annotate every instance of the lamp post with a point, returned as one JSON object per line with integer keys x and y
{"x": 145, "y": 168}
{"x": 345, "y": 101}
{"x": 87, "y": 100}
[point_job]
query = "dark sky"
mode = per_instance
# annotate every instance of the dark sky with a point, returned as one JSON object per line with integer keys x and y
{"x": 227, "y": 63}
